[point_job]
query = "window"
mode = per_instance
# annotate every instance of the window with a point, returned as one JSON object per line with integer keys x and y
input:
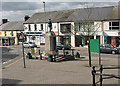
{"x": 114, "y": 25}
{"x": 5, "y": 33}
{"x": 29, "y": 27}
{"x": 83, "y": 26}
{"x": 41, "y": 26}
{"x": 12, "y": 33}
{"x": 35, "y": 27}
{"x": 65, "y": 28}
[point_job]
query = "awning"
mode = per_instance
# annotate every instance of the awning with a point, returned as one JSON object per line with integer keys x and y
{"x": 111, "y": 33}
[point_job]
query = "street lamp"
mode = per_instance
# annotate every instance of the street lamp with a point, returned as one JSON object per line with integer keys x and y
{"x": 44, "y": 6}
{"x": 44, "y": 16}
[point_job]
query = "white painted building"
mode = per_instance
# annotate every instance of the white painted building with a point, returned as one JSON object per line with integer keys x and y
{"x": 69, "y": 26}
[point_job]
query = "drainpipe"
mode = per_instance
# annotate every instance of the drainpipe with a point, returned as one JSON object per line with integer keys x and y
{"x": 58, "y": 32}
{"x": 102, "y": 32}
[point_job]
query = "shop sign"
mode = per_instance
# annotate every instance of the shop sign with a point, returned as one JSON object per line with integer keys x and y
{"x": 111, "y": 33}
{"x": 0, "y": 33}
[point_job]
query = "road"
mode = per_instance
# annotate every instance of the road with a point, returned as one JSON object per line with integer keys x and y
{"x": 84, "y": 52}
{"x": 10, "y": 53}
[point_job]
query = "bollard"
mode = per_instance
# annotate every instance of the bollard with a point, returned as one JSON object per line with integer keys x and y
{"x": 40, "y": 55}
{"x": 93, "y": 73}
{"x": 72, "y": 52}
{"x": 63, "y": 52}
{"x": 101, "y": 69}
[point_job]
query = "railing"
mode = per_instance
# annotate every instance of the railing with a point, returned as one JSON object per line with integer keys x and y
{"x": 108, "y": 76}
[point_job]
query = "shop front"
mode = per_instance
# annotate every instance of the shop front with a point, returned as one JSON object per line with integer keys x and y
{"x": 81, "y": 41}
{"x": 112, "y": 38}
{"x": 65, "y": 40}
{"x": 6, "y": 41}
{"x": 36, "y": 37}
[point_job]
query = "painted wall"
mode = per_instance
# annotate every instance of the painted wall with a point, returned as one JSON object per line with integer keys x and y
{"x": 8, "y": 34}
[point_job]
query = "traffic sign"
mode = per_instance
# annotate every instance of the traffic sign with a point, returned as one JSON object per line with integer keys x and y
{"x": 22, "y": 36}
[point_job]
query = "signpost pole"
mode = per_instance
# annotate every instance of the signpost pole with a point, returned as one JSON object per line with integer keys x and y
{"x": 99, "y": 59}
{"x": 22, "y": 37}
{"x": 23, "y": 55}
{"x": 89, "y": 54}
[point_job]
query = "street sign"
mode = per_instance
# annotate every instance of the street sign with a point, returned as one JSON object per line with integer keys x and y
{"x": 95, "y": 47}
{"x": 22, "y": 36}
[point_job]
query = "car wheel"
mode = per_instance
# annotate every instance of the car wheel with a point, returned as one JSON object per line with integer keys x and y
{"x": 113, "y": 52}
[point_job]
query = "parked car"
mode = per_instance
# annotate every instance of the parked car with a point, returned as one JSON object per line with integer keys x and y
{"x": 65, "y": 47}
{"x": 107, "y": 48}
{"x": 29, "y": 44}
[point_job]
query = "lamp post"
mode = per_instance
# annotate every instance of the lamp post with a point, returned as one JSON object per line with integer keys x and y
{"x": 44, "y": 16}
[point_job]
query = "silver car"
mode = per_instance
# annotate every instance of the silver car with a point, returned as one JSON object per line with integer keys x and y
{"x": 29, "y": 44}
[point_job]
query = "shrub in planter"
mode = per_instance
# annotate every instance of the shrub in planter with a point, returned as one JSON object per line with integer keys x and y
{"x": 50, "y": 58}
{"x": 66, "y": 53}
{"x": 29, "y": 55}
{"x": 77, "y": 55}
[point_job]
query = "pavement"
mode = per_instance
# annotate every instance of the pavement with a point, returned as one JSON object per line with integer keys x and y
{"x": 66, "y": 72}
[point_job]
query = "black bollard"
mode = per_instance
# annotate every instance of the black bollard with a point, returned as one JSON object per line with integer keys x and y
{"x": 40, "y": 55}
{"x": 93, "y": 73}
{"x": 101, "y": 69}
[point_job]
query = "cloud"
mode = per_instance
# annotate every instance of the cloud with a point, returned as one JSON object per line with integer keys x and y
{"x": 17, "y": 10}
{"x": 8, "y": 6}
{"x": 62, "y": 0}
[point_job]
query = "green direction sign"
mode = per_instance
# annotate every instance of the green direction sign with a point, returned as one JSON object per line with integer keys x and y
{"x": 95, "y": 47}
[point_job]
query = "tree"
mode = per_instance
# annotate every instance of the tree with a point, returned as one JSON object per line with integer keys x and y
{"x": 87, "y": 26}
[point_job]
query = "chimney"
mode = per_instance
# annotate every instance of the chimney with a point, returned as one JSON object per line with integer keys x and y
{"x": 4, "y": 21}
{"x": 26, "y": 18}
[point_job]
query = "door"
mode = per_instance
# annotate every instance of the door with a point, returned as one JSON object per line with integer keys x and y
{"x": 107, "y": 49}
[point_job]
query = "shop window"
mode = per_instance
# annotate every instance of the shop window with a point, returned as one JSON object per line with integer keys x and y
{"x": 35, "y": 27}
{"x": 29, "y": 27}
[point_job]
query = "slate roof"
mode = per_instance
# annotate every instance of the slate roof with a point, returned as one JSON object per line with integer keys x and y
{"x": 12, "y": 26}
{"x": 75, "y": 15}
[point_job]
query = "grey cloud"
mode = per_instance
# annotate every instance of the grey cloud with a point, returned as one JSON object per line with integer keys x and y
{"x": 29, "y": 8}
{"x": 16, "y": 6}
{"x": 11, "y": 6}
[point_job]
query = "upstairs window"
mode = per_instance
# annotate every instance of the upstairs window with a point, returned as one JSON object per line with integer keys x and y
{"x": 114, "y": 25}
{"x": 41, "y": 26}
{"x": 29, "y": 27}
{"x": 65, "y": 28}
{"x": 12, "y": 33}
{"x": 35, "y": 27}
{"x": 5, "y": 33}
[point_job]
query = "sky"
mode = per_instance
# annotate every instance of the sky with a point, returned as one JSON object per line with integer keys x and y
{"x": 15, "y": 10}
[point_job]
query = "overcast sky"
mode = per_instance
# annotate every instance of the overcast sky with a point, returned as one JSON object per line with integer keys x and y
{"x": 15, "y": 11}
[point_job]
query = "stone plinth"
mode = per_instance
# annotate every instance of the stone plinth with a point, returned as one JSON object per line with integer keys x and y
{"x": 50, "y": 43}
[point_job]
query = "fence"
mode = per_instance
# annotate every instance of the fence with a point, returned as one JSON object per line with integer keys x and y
{"x": 108, "y": 76}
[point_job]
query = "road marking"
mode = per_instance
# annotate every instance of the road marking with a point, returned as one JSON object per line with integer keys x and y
{"x": 11, "y": 63}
